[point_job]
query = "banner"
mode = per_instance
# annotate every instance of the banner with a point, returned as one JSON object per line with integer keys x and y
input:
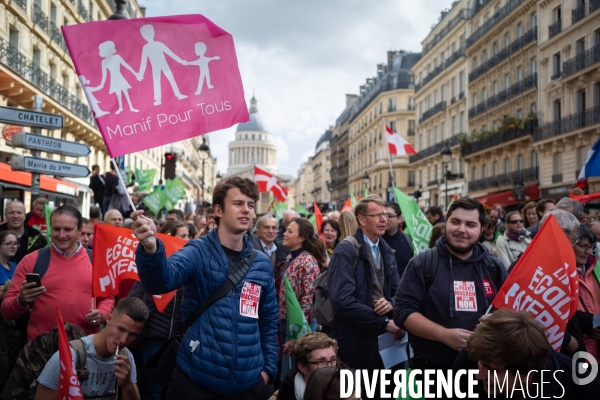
{"x": 114, "y": 260}
{"x": 417, "y": 225}
{"x": 174, "y": 191}
{"x": 297, "y": 325}
{"x": 544, "y": 282}
{"x": 155, "y": 200}
{"x": 154, "y": 81}
{"x": 145, "y": 178}
{"x": 352, "y": 199}
{"x": 68, "y": 382}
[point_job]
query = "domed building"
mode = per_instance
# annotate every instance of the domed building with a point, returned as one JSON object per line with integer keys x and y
{"x": 253, "y": 145}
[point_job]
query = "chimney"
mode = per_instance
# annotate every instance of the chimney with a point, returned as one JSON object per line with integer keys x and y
{"x": 350, "y": 99}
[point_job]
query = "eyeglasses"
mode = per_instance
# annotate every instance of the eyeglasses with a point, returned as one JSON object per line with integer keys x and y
{"x": 589, "y": 247}
{"x": 11, "y": 244}
{"x": 390, "y": 216}
{"x": 325, "y": 363}
{"x": 516, "y": 221}
{"x": 378, "y": 215}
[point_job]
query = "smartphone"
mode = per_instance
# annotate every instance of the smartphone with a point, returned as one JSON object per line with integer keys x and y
{"x": 34, "y": 278}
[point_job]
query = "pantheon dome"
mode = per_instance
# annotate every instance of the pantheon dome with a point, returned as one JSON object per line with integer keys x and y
{"x": 253, "y": 145}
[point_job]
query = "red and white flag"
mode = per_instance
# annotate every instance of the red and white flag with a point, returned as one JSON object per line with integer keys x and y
{"x": 68, "y": 383}
{"x": 397, "y": 145}
{"x": 267, "y": 182}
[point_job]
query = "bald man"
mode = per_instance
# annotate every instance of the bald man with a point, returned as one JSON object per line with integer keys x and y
{"x": 30, "y": 239}
{"x": 114, "y": 218}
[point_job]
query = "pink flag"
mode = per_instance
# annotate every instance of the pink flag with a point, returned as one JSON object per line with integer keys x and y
{"x": 153, "y": 81}
{"x": 397, "y": 145}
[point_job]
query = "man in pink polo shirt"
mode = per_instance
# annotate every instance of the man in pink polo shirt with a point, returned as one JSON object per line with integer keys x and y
{"x": 67, "y": 282}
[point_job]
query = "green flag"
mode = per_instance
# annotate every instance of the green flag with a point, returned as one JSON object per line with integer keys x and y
{"x": 313, "y": 221}
{"x": 47, "y": 212}
{"x": 297, "y": 325}
{"x": 405, "y": 395}
{"x": 279, "y": 208}
{"x": 302, "y": 210}
{"x": 174, "y": 191}
{"x": 352, "y": 199}
{"x": 366, "y": 193}
{"x": 155, "y": 200}
{"x": 417, "y": 225}
{"x": 144, "y": 178}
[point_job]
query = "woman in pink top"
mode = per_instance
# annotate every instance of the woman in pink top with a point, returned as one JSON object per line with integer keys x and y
{"x": 589, "y": 287}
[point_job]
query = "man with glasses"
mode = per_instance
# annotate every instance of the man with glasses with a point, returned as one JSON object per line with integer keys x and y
{"x": 399, "y": 241}
{"x": 264, "y": 239}
{"x": 312, "y": 351}
{"x": 362, "y": 282}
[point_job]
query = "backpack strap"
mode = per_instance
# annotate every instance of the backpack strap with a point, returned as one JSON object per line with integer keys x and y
{"x": 356, "y": 246}
{"x": 42, "y": 262}
{"x": 80, "y": 359}
{"x": 430, "y": 267}
{"x": 492, "y": 268}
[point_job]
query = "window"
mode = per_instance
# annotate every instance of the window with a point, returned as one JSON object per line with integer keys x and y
{"x": 461, "y": 82}
{"x": 580, "y": 98}
{"x": 53, "y": 14}
{"x": 411, "y": 126}
{"x": 533, "y": 108}
{"x": 494, "y": 169}
{"x": 596, "y": 37}
{"x": 519, "y": 74}
{"x": 483, "y": 171}
{"x": 442, "y": 58}
{"x": 506, "y": 41}
{"x": 506, "y": 82}
{"x": 442, "y": 129}
{"x": 556, "y": 110}
{"x": 253, "y": 136}
{"x": 494, "y": 88}
{"x": 556, "y": 64}
{"x": 580, "y": 46}
{"x": 557, "y": 164}
{"x": 453, "y": 126}
{"x": 597, "y": 94}
{"x": 429, "y": 143}
{"x": 453, "y": 87}
{"x": 506, "y": 165}
{"x": 532, "y": 21}
{"x": 474, "y": 64}
{"x": 461, "y": 121}
{"x": 435, "y": 135}
{"x": 393, "y": 126}
{"x": 532, "y": 66}
{"x": 392, "y": 106}
{"x": 557, "y": 14}
{"x": 494, "y": 126}
{"x": 582, "y": 155}
{"x": 519, "y": 114}
{"x": 474, "y": 103}
{"x": 495, "y": 49}
{"x": 483, "y": 57}
{"x": 483, "y": 95}
{"x": 520, "y": 162}
{"x": 14, "y": 37}
{"x": 474, "y": 174}
{"x": 411, "y": 178}
{"x": 519, "y": 31}
{"x": 435, "y": 97}
{"x": 421, "y": 142}
{"x": 53, "y": 70}
{"x": 533, "y": 161}
{"x": 443, "y": 93}
{"x": 37, "y": 56}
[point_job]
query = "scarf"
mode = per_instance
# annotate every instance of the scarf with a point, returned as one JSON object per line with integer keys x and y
{"x": 517, "y": 236}
{"x": 299, "y": 386}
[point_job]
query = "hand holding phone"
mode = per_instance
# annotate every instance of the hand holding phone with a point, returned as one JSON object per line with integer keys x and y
{"x": 30, "y": 290}
{"x": 34, "y": 278}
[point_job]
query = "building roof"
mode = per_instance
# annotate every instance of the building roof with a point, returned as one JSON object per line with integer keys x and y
{"x": 255, "y": 123}
{"x": 326, "y": 137}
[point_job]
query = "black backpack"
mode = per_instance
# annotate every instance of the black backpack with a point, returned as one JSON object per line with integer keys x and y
{"x": 431, "y": 266}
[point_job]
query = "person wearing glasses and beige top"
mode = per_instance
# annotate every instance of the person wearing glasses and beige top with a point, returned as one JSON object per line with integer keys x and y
{"x": 514, "y": 241}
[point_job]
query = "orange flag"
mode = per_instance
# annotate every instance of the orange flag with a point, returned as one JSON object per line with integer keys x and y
{"x": 114, "y": 261}
{"x": 318, "y": 219}
{"x": 68, "y": 382}
{"x": 584, "y": 198}
{"x": 544, "y": 282}
{"x": 347, "y": 206}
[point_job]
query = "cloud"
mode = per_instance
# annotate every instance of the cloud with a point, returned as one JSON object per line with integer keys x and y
{"x": 302, "y": 58}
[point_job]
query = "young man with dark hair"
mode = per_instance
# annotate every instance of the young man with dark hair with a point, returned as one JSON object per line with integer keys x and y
{"x": 67, "y": 281}
{"x": 312, "y": 351}
{"x": 123, "y": 325}
{"x": 231, "y": 350}
{"x": 87, "y": 230}
{"x": 441, "y": 312}
{"x": 435, "y": 215}
{"x": 513, "y": 356}
{"x": 399, "y": 241}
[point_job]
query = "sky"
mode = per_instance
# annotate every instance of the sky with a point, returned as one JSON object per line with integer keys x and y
{"x": 300, "y": 58}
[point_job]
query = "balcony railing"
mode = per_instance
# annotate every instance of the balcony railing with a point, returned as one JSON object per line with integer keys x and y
{"x": 40, "y": 18}
{"x": 21, "y": 3}
{"x": 499, "y": 138}
{"x": 440, "y": 68}
{"x": 495, "y": 19}
{"x": 436, "y": 148}
{"x": 57, "y": 36}
{"x": 578, "y": 13}
{"x": 594, "y": 5}
{"x": 462, "y": 14}
{"x": 82, "y": 11}
{"x": 495, "y": 60}
{"x": 528, "y": 175}
{"x": 13, "y": 59}
{"x": 557, "y": 178}
{"x": 581, "y": 61}
{"x": 570, "y": 123}
{"x": 434, "y": 182}
{"x": 514, "y": 91}
{"x": 554, "y": 29}
{"x": 441, "y": 106}
{"x": 410, "y": 132}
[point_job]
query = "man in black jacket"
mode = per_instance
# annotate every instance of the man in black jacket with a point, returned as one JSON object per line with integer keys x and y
{"x": 362, "y": 290}
{"x": 97, "y": 185}
{"x": 440, "y": 315}
{"x": 399, "y": 241}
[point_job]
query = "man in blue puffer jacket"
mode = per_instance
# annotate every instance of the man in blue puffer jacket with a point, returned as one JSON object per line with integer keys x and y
{"x": 229, "y": 351}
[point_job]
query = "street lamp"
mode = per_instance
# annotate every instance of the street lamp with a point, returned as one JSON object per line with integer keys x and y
{"x": 203, "y": 153}
{"x": 446, "y": 154}
{"x": 119, "y": 12}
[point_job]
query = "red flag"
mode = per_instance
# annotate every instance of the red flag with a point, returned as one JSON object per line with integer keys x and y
{"x": 114, "y": 261}
{"x": 318, "y": 219}
{"x": 268, "y": 182}
{"x": 584, "y": 198}
{"x": 544, "y": 282}
{"x": 397, "y": 145}
{"x": 347, "y": 206}
{"x": 68, "y": 383}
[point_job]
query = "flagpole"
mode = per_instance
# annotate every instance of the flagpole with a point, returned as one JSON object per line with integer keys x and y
{"x": 389, "y": 158}
{"x": 123, "y": 182}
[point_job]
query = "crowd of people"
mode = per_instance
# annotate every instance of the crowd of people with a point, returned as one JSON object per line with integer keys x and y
{"x": 229, "y": 312}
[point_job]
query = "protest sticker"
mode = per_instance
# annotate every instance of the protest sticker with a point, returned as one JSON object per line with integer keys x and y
{"x": 544, "y": 282}
{"x": 249, "y": 299}
{"x": 465, "y": 298}
{"x": 114, "y": 260}
{"x": 154, "y": 81}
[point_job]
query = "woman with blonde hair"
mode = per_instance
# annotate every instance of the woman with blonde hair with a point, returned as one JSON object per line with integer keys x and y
{"x": 348, "y": 224}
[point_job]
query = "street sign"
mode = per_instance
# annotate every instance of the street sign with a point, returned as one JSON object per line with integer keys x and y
{"x": 35, "y": 119}
{"x": 48, "y": 167}
{"x": 391, "y": 197}
{"x": 50, "y": 145}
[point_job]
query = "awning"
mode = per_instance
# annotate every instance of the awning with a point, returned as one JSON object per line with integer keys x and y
{"x": 507, "y": 197}
{"x": 46, "y": 183}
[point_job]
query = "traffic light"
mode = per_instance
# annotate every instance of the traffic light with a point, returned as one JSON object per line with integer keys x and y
{"x": 170, "y": 161}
